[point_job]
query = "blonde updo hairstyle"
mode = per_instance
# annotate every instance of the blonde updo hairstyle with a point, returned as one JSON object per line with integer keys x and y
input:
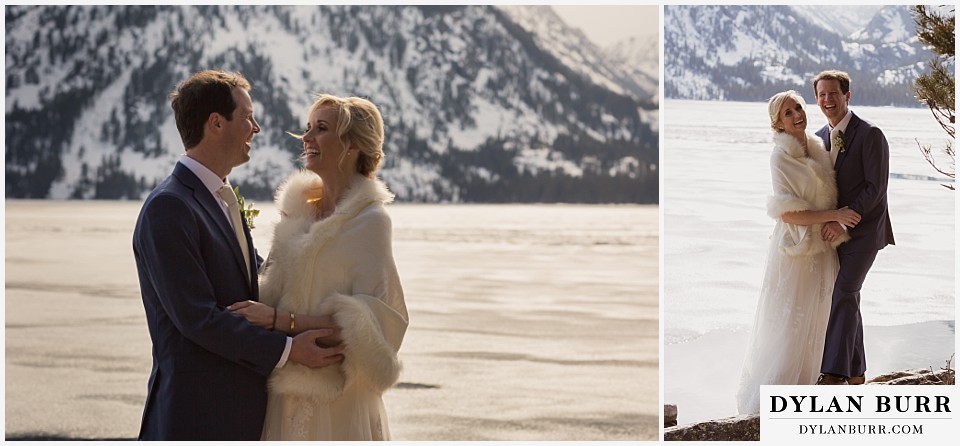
{"x": 776, "y": 103}
{"x": 359, "y": 126}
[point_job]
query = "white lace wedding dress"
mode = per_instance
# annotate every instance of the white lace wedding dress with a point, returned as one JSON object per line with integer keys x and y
{"x": 786, "y": 344}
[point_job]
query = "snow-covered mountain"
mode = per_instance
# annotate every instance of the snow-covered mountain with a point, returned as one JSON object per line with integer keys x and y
{"x": 623, "y": 73}
{"x": 640, "y": 56}
{"x": 843, "y": 19}
{"x": 750, "y": 52}
{"x": 477, "y": 106}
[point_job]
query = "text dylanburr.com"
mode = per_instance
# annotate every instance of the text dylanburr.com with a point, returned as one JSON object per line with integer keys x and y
{"x": 875, "y": 413}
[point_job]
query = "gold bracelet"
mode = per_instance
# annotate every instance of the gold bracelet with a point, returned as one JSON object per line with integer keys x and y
{"x": 293, "y": 322}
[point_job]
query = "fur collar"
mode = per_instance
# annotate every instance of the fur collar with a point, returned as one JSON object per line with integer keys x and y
{"x": 790, "y": 145}
{"x": 299, "y": 235}
{"x": 794, "y": 148}
{"x": 293, "y": 193}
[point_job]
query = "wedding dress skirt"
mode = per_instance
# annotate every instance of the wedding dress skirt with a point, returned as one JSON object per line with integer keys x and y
{"x": 357, "y": 414}
{"x": 786, "y": 345}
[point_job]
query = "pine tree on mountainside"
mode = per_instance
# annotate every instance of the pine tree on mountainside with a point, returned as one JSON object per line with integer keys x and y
{"x": 937, "y": 89}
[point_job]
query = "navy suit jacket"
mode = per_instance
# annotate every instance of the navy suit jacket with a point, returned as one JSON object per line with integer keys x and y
{"x": 862, "y": 171}
{"x": 210, "y": 367}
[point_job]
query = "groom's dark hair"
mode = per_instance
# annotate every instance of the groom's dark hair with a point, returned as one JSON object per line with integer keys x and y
{"x": 200, "y": 95}
{"x": 835, "y": 75}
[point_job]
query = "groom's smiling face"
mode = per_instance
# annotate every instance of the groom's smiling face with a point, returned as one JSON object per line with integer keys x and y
{"x": 832, "y": 101}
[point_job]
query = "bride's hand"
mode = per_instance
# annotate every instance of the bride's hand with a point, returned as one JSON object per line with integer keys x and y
{"x": 256, "y": 313}
{"x": 830, "y": 231}
{"x": 847, "y": 217}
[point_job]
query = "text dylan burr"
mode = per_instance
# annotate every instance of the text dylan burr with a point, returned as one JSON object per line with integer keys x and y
{"x": 849, "y": 403}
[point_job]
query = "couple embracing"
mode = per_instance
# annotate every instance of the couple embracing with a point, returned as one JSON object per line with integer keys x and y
{"x": 301, "y": 346}
{"x": 830, "y": 203}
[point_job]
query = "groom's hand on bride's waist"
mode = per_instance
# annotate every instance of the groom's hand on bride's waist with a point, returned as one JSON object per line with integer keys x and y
{"x": 309, "y": 349}
{"x": 327, "y": 322}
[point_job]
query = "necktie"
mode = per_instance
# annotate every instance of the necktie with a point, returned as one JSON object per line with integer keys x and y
{"x": 233, "y": 207}
{"x": 836, "y": 144}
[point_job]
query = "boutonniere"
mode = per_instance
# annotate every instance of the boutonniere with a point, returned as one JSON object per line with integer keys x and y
{"x": 838, "y": 142}
{"x": 247, "y": 211}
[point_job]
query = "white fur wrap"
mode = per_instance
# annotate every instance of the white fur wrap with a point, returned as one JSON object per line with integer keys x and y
{"x": 801, "y": 183}
{"x": 340, "y": 266}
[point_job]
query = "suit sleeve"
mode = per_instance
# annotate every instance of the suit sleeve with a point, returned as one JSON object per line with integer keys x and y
{"x": 169, "y": 241}
{"x": 876, "y": 170}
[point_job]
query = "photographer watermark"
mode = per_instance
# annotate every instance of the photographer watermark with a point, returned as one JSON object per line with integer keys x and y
{"x": 867, "y": 412}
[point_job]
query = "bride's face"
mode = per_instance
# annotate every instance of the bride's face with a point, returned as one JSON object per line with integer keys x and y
{"x": 793, "y": 119}
{"x": 322, "y": 148}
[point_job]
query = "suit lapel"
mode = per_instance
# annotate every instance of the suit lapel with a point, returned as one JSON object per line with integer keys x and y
{"x": 253, "y": 260}
{"x": 849, "y": 137}
{"x": 206, "y": 201}
{"x": 824, "y": 134}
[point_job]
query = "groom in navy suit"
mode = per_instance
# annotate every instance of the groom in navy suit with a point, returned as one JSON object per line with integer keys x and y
{"x": 210, "y": 367}
{"x": 862, "y": 163}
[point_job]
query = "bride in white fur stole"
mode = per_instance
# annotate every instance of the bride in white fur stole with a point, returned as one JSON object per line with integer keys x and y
{"x": 786, "y": 344}
{"x": 332, "y": 264}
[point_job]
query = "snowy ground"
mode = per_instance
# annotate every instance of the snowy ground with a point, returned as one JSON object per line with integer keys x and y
{"x": 527, "y": 322}
{"x": 715, "y": 164}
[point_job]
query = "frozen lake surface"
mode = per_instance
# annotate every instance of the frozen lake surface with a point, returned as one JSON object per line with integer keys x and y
{"x": 534, "y": 322}
{"x": 715, "y": 164}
